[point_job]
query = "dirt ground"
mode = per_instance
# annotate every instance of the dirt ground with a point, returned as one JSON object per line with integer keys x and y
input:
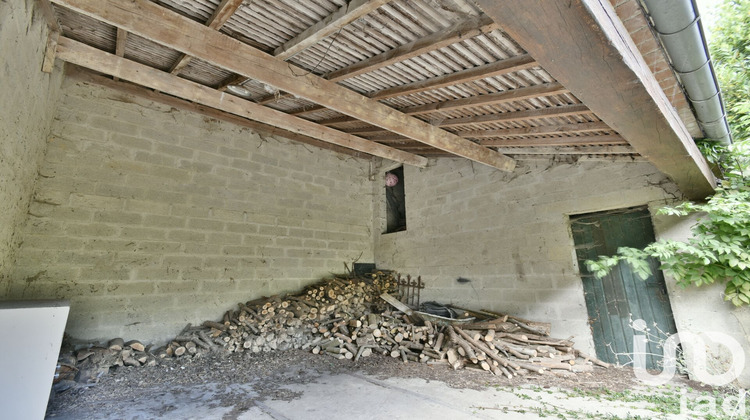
{"x": 267, "y": 376}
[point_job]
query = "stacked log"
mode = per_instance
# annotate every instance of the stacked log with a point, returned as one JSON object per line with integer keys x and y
{"x": 346, "y": 318}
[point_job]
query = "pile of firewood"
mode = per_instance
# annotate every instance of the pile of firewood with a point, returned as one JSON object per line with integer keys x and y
{"x": 350, "y": 318}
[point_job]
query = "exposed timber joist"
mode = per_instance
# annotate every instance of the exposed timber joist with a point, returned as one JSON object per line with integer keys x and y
{"x": 605, "y": 70}
{"x": 557, "y": 141}
{"x": 328, "y": 26}
{"x": 498, "y": 68}
{"x": 332, "y": 23}
{"x": 97, "y": 60}
{"x": 515, "y": 116}
{"x": 530, "y": 92}
{"x": 532, "y": 131}
{"x": 48, "y": 14}
{"x": 221, "y": 15}
{"x": 160, "y": 25}
{"x": 573, "y": 150}
{"x": 440, "y": 39}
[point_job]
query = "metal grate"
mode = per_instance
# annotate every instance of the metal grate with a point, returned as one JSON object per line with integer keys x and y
{"x": 409, "y": 290}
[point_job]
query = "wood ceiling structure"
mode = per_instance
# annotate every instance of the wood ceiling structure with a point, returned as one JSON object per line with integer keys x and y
{"x": 486, "y": 80}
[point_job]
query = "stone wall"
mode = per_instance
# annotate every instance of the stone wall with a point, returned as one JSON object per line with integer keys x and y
{"x": 27, "y": 102}
{"x": 147, "y": 217}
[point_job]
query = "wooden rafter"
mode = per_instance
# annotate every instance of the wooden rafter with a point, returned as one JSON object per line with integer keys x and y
{"x": 557, "y": 141}
{"x": 440, "y": 39}
{"x": 329, "y": 25}
{"x": 541, "y": 129}
{"x": 516, "y": 116}
{"x": 45, "y": 9}
{"x": 332, "y": 23}
{"x": 605, "y": 70}
{"x": 498, "y": 68}
{"x": 572, "y": 150}
{"x": 512, "y": 95}
{"x": 221, "y": 15}
{"x": 97, "y": 60}
{"x": 157, "y": 24}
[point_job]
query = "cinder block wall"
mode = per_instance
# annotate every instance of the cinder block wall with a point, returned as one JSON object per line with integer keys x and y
{"x": 27, "y": 103}
{"x": 147, "y": 217}
{"x": 508, "y": 233}
{"x": 700, "y": 310}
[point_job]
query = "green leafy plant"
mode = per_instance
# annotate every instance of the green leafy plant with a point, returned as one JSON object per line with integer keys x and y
{"x": 719, "y": 248}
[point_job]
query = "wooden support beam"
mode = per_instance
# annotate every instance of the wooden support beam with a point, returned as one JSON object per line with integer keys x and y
{"x": 160, "y": 25}
{"x": 570, "y": 150}
{"x": 122, "y": 39}
{"x": 535, "y": 131}
{"x": 332, "y": 23}
{"x": 440, "y": 39}
{"x": 88, "y": 76}
{"x": 557, "y": 141}
{"x": 498, "y": 68}
{"x": 531, "y": 114}
{"x": 221, "y": 15}
{"x": 48, "y": 14}
{"x": 97, "y": 60}
{"x": 584, "y": 45}
{"x": 513, "y": 95}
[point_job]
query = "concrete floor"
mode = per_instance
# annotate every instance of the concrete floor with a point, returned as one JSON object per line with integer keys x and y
{"x": 358, "y": 396}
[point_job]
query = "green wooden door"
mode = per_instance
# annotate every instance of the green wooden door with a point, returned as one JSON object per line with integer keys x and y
{"x": 614, "y": 301}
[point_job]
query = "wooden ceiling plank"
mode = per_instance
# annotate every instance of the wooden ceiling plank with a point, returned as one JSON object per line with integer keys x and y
{"x": 451, "y": 35}
{"x": 97, "y": 60}
{"x": 572, "y": 150}
{"x": 517, "y": 116}
{"x": 557, "y": 141}
{"x": 585, "y": 46}
{"x": 165, "y": 27}
{"x": 512, "y": 95}
{"x": 220, "y": 16}
{"x": 122, "y": 40}
{"x": 542, "y": 129}
{"x": 331, "y": 24}
{"x": 497, "y": 68}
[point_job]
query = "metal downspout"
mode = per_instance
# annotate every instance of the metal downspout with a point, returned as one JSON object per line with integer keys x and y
{"x": 678, "y": 24}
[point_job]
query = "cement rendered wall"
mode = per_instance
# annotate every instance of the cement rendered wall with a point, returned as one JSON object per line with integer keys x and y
{"x": 27, "y": 102}
{"x": 147, "y": 217}
{"x": 703, "y": 310}
{"x": 509, "y": 233}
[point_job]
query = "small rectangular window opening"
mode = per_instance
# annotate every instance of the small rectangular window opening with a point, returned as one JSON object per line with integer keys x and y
{"x": 395, "y": 200}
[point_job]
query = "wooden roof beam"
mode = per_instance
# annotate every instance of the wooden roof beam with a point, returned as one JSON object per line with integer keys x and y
{"x": 497, "y": 68}
{"x": 103, "y": 62}
{"x": 584, "y": 45}
{"x": 455, "y": 33}
{"x": 557, "y": 141}
{"x": 512, "y": 95}
{"x": 570, "y": 150}
{"x": 160, "y": 25}
{"x": 541, "y": 129}
{"x": 221, "y": 15}
{"x": 332, "y": 23}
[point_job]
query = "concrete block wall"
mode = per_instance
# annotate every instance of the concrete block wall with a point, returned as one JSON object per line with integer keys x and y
{"x": 700, "y": 310}
{"x": 147, "y": 217}
{"x": 27, "y": 102}
{"x": 508, "y": 233}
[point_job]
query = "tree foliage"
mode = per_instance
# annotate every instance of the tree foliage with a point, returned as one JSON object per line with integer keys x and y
{"x": 719, "y": 248}
{"x": 730, "y": 53}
